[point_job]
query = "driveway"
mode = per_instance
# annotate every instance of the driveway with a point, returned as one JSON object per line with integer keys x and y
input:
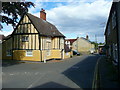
{"x": 76, "y": 72}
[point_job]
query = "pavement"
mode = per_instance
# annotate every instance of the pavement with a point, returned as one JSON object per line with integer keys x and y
{"x": 76, "y": 72}
{"x": 105, "y": 75}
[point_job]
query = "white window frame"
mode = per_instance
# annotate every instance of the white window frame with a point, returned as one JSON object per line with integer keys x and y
{"x": 62, "y": 43}
{"x": 28, "y": 52}
{"x": 9, "y": 53}
{"x": 61, "y": 40}
{"x": 48, "y": 39}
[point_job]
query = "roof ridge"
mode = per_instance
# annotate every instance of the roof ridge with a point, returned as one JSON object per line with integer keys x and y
{"x": 38, "y": 18}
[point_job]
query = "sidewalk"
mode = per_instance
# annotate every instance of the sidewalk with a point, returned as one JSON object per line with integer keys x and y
{"x": 105, "y": 75}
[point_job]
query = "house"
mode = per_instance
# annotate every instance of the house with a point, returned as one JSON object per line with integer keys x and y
{"x": 69, "y": 42}
{"x": 34, "y": 39}
{"x": 112, "y": 34}
{"x": 82, "y": 45}
{"x": 68, "y": 52}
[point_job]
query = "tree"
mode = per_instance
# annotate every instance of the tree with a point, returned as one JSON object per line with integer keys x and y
{"x": 95, "y": 44}
{"x": 13, "y": 10}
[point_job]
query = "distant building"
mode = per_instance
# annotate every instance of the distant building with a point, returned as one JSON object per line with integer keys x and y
{"x": 82, "y": 45}
{"x": 69, "y": 42}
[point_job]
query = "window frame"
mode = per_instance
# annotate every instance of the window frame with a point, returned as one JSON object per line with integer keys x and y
{"x": 9, "y": 53}
{"x": 48, "y": 52}
{"x": 28, "y": 53}
{"x": 25, "y": 38}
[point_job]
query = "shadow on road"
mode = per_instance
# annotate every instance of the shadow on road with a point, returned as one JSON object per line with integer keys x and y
{"x": 6, "y": 63}
{"x": 82, "y": 73}
{"x": 50, "y": 85}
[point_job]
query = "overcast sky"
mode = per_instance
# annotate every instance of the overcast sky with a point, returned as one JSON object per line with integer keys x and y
{"x": 74, "y": 18}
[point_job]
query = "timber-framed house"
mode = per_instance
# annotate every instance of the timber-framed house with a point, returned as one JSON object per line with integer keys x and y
{"x": 34, "y": 39}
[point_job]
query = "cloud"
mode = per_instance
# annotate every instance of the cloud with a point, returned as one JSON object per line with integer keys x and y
{"x": 76, "y": 17}
{"x": 80, "y": 18}
{"x": 85, "y": 18}
{"x": 38, "y": 6}
{"x": 7, "y": 30}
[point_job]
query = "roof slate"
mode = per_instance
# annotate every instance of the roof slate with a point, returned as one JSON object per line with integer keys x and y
{"x": 44, "y": 27}
{"x": 86, "y": 39}
{"x": 71, "y": 40}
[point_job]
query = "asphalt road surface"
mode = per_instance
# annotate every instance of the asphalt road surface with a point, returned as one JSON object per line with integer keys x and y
{"x": 76, "y": 72}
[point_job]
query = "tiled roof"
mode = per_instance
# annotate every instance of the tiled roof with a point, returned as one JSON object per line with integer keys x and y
{"x": 86, "y": 39}
{"x": 44, "y": 27}
{"x": 71, "y": 40}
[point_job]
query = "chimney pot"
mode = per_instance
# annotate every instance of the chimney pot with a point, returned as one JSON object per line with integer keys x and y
{"x": 87, "y": 37}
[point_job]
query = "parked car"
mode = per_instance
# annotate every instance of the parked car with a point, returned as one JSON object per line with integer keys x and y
{"x": 92, "y": 50}
{"x": 102, "y": 51}
{"x": 75, "y": 52}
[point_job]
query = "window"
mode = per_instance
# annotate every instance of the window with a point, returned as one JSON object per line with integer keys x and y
{"x": 48, "y": 52}
{"x": 29, "y": 53}
{"x": 113, "y": 20}
{"x": 0, "y": 41}
{"x": 25, "y": 39}
{"x": 9, "y": 52}
{"x": 48, "y": 39}
{"x": 108, "y": 29}
{"x": 62, "y": 41}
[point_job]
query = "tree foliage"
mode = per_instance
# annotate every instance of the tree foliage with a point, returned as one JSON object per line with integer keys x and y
{"x": 12, "y": 10}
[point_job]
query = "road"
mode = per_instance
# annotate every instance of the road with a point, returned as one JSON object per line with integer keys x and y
{"x": 76, "y": 72}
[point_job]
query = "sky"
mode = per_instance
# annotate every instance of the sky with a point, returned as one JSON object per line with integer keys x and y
{"x": 73, "y": 18}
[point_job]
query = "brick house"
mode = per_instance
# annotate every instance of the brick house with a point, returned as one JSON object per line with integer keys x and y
{"x": 112, "y": 33}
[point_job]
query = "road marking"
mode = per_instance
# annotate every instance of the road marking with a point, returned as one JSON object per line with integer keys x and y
{"x": 76, "y": 67}
{"x": 30, "y": 86}
{"x": 11, "y": 74}
{"x": 95, "y": 77}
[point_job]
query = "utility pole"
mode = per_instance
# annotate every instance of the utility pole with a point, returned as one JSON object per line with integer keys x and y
{"x": 77, "y": 42}
{"x": 95, "y": 38}
{"x": 96, "y": 42}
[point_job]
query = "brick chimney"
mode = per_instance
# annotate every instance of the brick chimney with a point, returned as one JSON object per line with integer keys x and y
{"x": 42, "y": 14}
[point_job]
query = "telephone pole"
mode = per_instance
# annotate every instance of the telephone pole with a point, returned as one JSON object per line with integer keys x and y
{"x": 95, "y": 38}
{"x": 96, "y": 42}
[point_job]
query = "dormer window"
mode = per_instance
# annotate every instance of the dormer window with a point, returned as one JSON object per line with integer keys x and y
{"x": 25, "y": 39}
